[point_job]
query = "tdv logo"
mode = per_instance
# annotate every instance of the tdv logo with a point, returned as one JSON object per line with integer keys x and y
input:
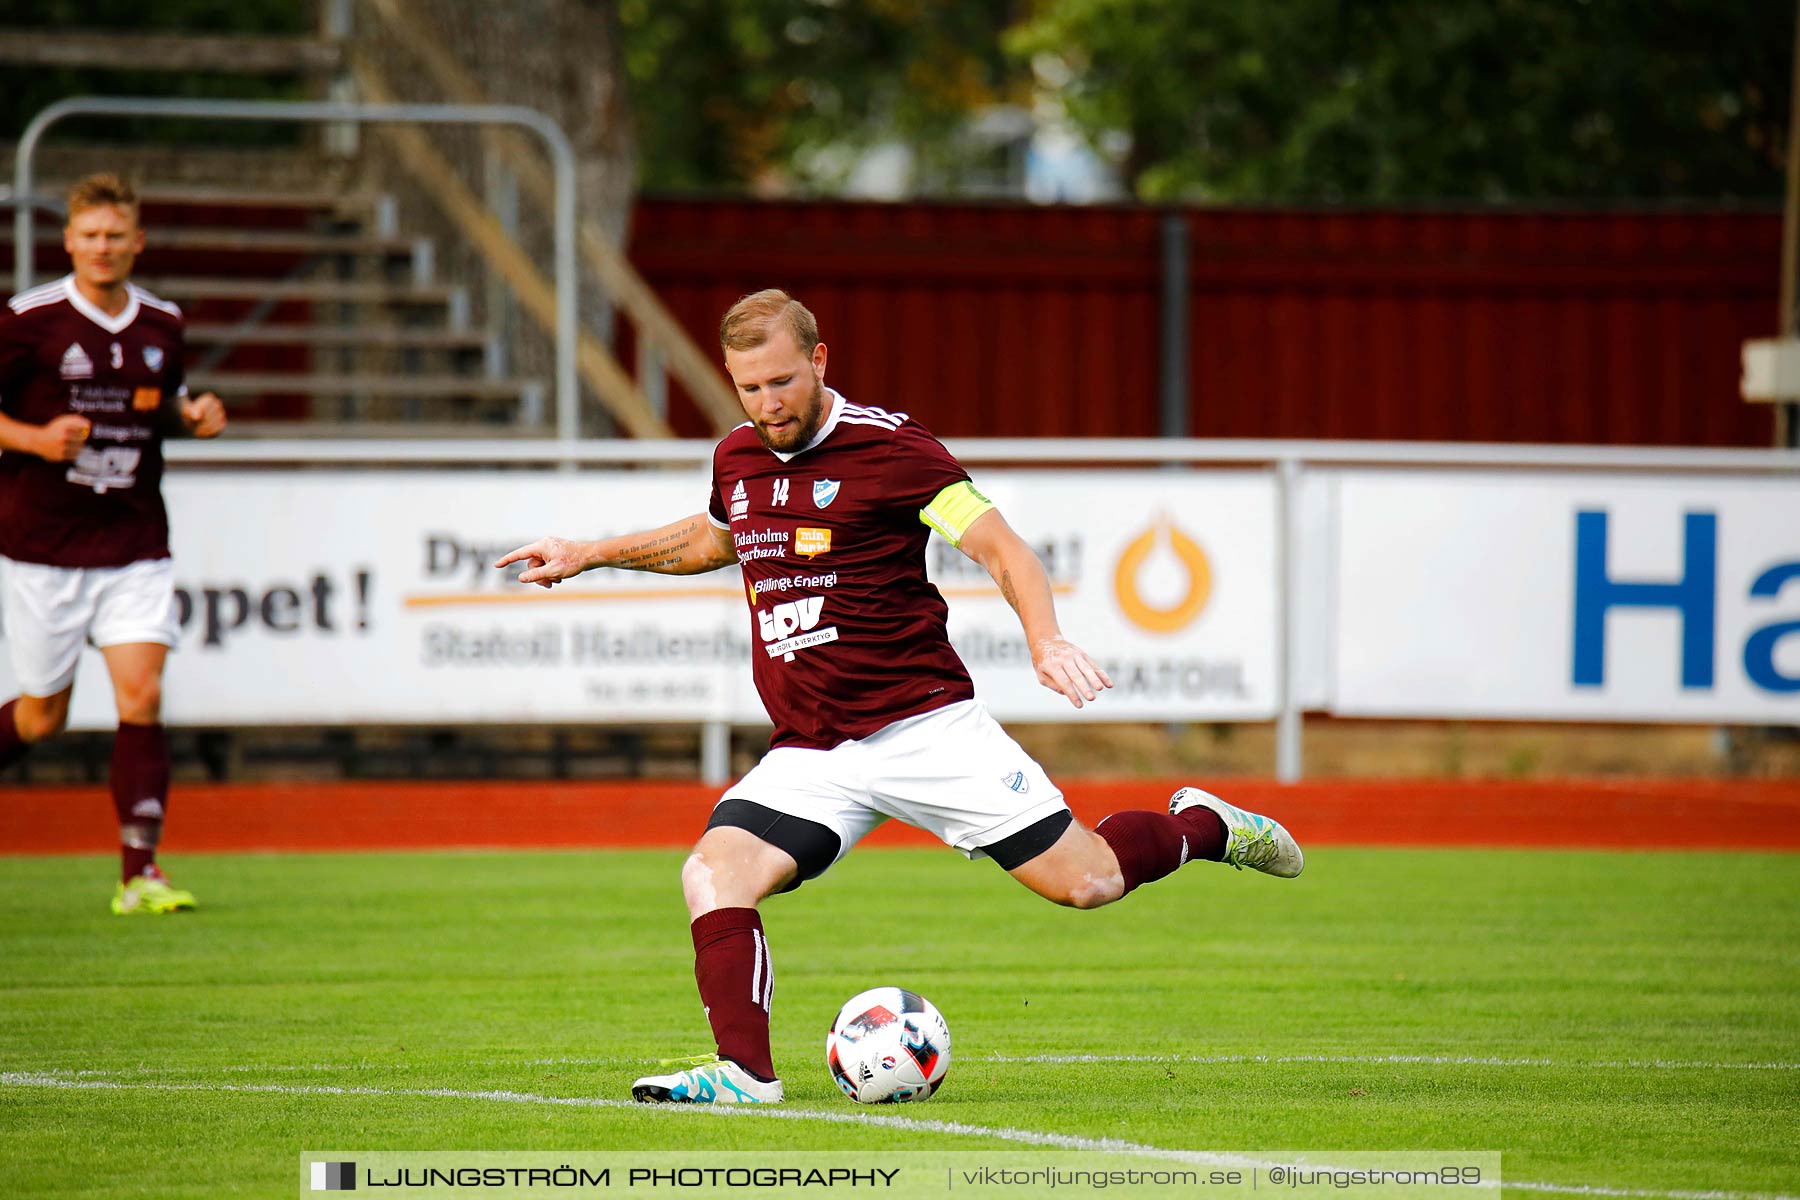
{"x": 1694, "y": 596}
{"x": 789, "y": 618}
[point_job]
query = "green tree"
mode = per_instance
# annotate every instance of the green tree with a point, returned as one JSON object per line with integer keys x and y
{"x": 1384, "y": 100}
{"x": 740, "y": 93}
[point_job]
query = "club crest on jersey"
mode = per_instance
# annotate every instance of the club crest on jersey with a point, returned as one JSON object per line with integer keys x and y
{"x": 153, "y": 357}
{"x": 1017, "y": 782}
{"x": 76, "y": 364}
{"x": 825, "y": 491}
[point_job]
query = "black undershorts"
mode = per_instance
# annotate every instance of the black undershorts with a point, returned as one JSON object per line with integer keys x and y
{"x": 815, "y": 847}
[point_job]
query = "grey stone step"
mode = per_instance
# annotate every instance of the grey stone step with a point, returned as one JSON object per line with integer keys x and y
{"x": 286, "y": 383}
{"x": 379, "y": 337}
{"x": 349, "y": 291}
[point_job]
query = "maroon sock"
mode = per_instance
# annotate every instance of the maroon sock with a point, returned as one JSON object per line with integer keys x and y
{"x": 12, "y": 746}
{"x": 1150, "y": 845}
{"x": 737, "y": 985}
{"x": 140, "y": 793}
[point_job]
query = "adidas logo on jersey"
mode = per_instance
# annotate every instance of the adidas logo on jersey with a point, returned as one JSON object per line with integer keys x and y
{"x": 76, "y": 364}
{"x": 740, "y": 502}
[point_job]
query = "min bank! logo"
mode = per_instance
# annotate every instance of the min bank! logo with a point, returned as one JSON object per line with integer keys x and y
{"x": 1163, "y": 579}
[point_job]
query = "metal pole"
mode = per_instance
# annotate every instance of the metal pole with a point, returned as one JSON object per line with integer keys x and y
{"x": 1174, "y": 325}
{"x": 1787, "y": 413}
{"x": 502, "y": 188}
{"x": 562, "y": 163}
{"x": 652, "y": 378}
{"x": 1290, "y": 762}
{"x": 23, "y": 248}
{"x": 1172, "y": 369}
{"x": 715, "y": 753}
{"x": 336, "y": 18}
{"x": 568, "y": 397}
{"x": 336, "y": 21}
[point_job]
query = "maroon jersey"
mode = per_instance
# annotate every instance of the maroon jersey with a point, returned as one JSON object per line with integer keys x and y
{"x": 849, "y": 634}
{"x": 60, "y": 354}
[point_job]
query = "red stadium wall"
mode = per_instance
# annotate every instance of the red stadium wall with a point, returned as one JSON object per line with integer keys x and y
{"x": 990, "y": 320}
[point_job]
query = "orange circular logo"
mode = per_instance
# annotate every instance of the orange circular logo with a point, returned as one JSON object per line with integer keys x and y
{"x": 1163, "y": 538}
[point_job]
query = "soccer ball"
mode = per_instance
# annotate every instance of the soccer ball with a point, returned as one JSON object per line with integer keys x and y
{"x": 888, "y": 1046}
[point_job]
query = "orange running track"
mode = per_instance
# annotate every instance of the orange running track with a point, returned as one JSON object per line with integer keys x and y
{"x": 210, "y": 818}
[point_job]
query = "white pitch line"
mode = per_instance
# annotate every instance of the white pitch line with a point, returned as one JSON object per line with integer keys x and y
{"x": 1639, "y": 1064}
{"x": 321, "y": 1068}
{"x": 1027, "y": 1137}
{"x": 1634, "y": 1064}
{"x": 1057, "y": 1141}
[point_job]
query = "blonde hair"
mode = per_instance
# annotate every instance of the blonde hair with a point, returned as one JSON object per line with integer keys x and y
{"x": 748, "y": 322}
{"x": 98, "y": 191}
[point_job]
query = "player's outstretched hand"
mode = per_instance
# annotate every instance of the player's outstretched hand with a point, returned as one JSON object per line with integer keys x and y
{"x": 1066, "y": 669}
{"x": 548, "y": 561}
{"x": 62, "y": 439}
{"x": 204, "y": 415}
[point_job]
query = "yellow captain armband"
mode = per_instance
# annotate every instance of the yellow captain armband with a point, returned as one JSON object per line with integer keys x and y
{"x": 954, "y": 509}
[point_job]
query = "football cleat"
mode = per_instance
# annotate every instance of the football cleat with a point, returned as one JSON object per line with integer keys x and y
{"x": 150, "y": 895}
{"x": 710, "y": 1080}
{"x": 1251, "y": 840}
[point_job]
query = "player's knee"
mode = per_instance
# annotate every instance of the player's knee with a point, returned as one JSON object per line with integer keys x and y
{"x": 731, "y": 868}
{"x": 140, "y": 701}
{"x": 706, "y": 886}
{"x": 40, "y": 719}
{"x": 1093, "y": 891}
{"x": 696, "y": 879}
{"x": 1084, "y": 891}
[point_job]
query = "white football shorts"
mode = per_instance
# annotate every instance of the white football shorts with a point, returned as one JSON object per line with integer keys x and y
{"x": 50, "y": 612}
{"x": 952, "y": 772}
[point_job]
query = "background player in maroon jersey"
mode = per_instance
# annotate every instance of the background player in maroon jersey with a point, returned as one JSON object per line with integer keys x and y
{"x": 827, "y": 506}
{"x": 91, "y": 380}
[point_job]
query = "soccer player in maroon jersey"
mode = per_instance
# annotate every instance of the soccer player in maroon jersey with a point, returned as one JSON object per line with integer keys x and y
{"x": 826, "y": 506}
{"x": 91, "y": 381}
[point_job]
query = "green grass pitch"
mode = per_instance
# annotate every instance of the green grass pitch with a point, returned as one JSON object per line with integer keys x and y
{"x": 1616, "y": 1021}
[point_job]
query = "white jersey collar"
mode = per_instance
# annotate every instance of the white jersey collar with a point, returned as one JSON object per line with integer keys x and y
{"x": 97, "y": 315}
{"x": 831, "y": 420}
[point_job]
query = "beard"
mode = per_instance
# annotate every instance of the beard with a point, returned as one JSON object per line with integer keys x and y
{"x": 806, "y": 424}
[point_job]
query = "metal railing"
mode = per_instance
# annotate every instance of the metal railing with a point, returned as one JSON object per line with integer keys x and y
{"x": 562, "y": 160}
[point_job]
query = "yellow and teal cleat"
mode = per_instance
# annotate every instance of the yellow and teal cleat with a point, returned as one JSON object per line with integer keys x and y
{"x": 150, "y": 895}
{"x": 1251, "y": 839}
{"x": 711, "y": 1080}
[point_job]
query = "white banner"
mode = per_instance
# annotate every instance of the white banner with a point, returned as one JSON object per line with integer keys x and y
{"x": 1168, "y": 579}
{"x": 348, "y": 598}
{"x": 1561, "y": 595}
